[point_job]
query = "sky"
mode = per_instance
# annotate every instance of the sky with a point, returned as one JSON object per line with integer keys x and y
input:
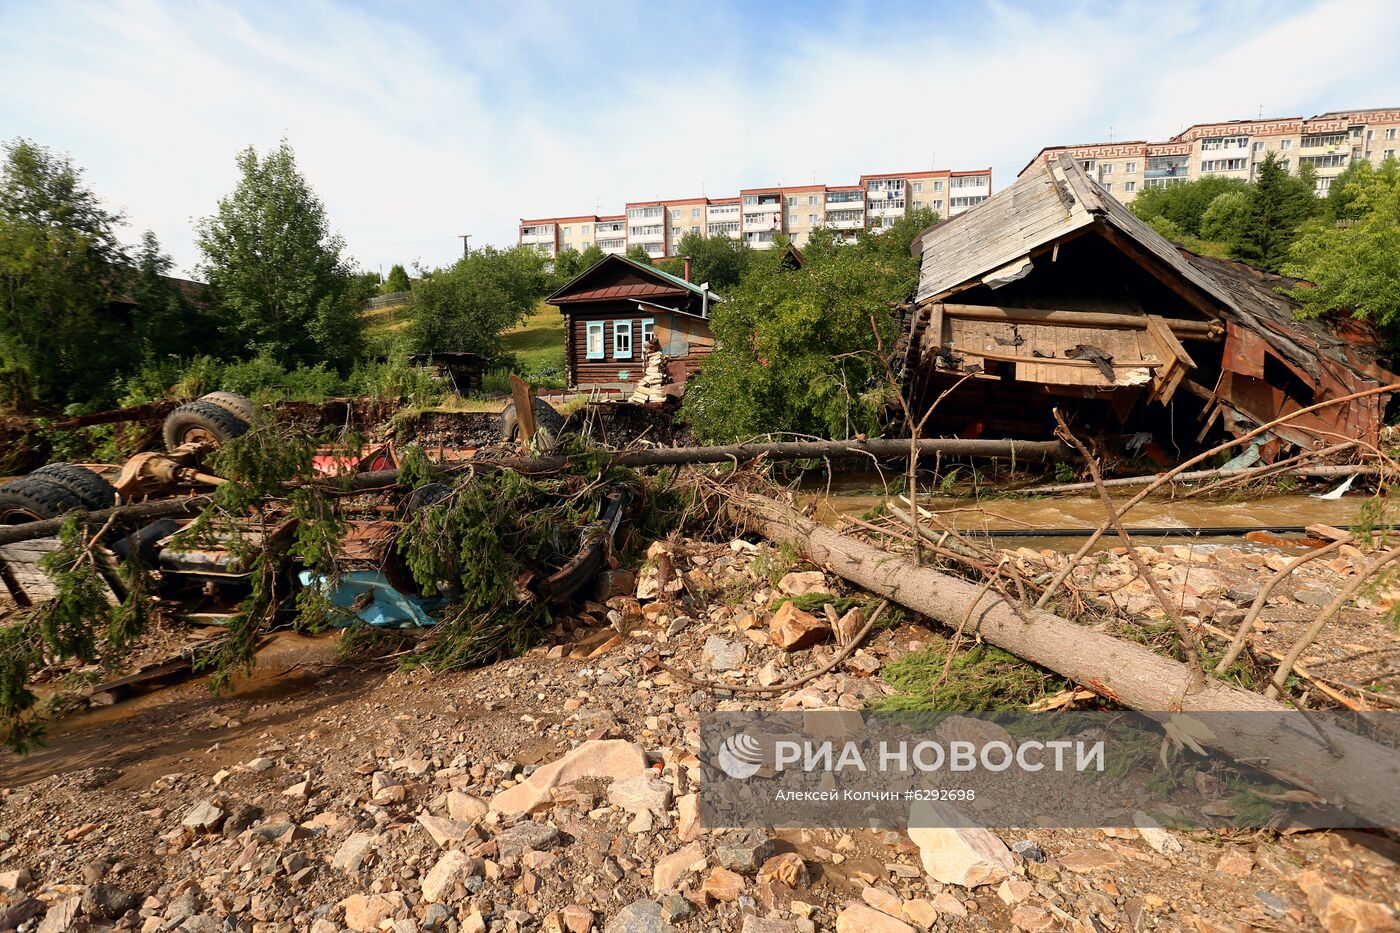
{"x": 416, "y": 123}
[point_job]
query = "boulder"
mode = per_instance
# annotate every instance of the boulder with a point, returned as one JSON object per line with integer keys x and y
{"x": 109, "y": 901}
{"x": 642, "y": 794}
{"x": 353, "y": 852}
{"x": 639, "y": 917}
{"x": 444, "y": 831}
{"x": 1341, "y": 913}
{"x": 526, "y": 835}
{"x": 616, "y": 759}
{"x": 792, "y": 629}
{"x": 723, "y": 885}
{"x": 856, "y": 917}
{"x": 465, "y": 807}
{"x": 721, "y": 654}
{"x": 801, "y": 583}
{"x": 963, "y": 855}
{"x": 366, "y": 912}
{"x": 454, "y": 866}
{"x": 203, "y": 817}
{"x": 670, "y": 871}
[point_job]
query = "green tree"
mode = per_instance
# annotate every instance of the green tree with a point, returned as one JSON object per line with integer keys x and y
{"x": 1224, "y": 218}
{"x": 718, "y": 260}
{"x": 1354, "y": 261}
{"x": 796, "y": 348}
{"x": 277, "y": 271}
{"x": 61, "y": 336}
{"x": 397, "y": 280}
{"x": 467, "y": 305}
{"x": 570, "y": 262}
{"x": 1184, "y": 203}
{"x": 637, "y": 253}
{"x": 1278, "y": 205}
{"x": 166, "y": 319}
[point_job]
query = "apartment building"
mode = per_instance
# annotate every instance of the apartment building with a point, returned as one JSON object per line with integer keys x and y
{"x": 1328, "y": 142}
{"x": 758, "y": 215}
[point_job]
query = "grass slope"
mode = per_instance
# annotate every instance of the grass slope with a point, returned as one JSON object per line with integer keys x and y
{"x": 538, "y": 341}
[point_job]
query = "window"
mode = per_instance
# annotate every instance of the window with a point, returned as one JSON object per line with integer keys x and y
{"x": 695, "y": 213}
{"x": 812, "y": 219}
{"x": 1223, "y": 165}
{"x": 1326, "y": 161}
{"x": 1315, "y": 140}
{"x": 1108, "y": 186}
{"x": 1224, "y": 142}
{"x": 583, "y": 231}
{"x": 675, "y": 213}
{"x": 1130, "y": 168}
{"x": 647, "y": 329}
{"x": 792, "y": 218}
{"x": 938, "y": 186}
{"x": 1106, "y": 168}
{"x": 1390, "y": 133}
{"x": 918, "y": 187}
{"x": 695, "y": 229}
{"x": 938, "y": 204}
{"x": 972, "y": 181}
{"x": 1285, "y": 144}
{"x": 1370, "y": 135}
{"x": 1258, "y": 146}
{"x": 1389, "y": 153}
{"x": 568, "y": 231}
{"x": 792, "y": 201}
{"x": 1129, "y": 186}
{"x": 811, "y": 200}
{"x": 594, "y": 343}
{"x": 622, "y": 340}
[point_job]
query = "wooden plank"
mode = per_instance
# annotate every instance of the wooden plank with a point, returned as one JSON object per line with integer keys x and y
{"x": 524, "y": 407}
{"x": 1191, "y": 329}
{"x": 1178, "y": 362}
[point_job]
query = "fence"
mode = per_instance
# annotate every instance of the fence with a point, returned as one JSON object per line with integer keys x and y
{"x": 386, "y": 301}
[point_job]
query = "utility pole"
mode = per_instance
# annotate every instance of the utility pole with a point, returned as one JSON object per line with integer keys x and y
{"x": 466, "y": 246}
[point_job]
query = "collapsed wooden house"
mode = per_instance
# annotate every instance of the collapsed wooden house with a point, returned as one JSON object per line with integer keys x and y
{"x": 1053, "y": 293}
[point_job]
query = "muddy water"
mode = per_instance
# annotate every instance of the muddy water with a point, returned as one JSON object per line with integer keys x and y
{"x": 972, "y": 516}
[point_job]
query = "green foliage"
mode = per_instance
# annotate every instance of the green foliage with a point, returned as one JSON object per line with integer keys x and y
{"x": 466, "y": 306}
{"x": 60, "y": 267}
{"x": 981, "y": 678}
{"x": 1278, "y": 205}
{"x": 397, "y": 280}
{"x": 796, "y": 348}
{"x": 276, "y": 268}
{"x": 415, "y": 469}
{"x": 78, "y": 623}
{"x": 719, "y": 260}
{"x": 1352, "y": 256}
{"x": 637, "y": 253}
{"x": 570, "y": 262}
{"x": 1225, "y": 216}
{"x": 1184, "y": 204}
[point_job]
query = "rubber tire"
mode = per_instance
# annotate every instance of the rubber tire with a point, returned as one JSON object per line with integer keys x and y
{"x": 34, "y": 499}
{"x": 221, "y": 423}
{"x": 240, "y": 406}
{"x": 94, "y": 491}
{"x": 547, "y": 420}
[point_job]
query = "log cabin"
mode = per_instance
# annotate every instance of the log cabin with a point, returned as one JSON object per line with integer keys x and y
{"x": 612, "y": 313}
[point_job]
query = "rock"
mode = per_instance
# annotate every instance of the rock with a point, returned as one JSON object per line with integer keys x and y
{"x": 20, "y": 912}
{"x": 688, "y": 817}
{"x": 971, "y": 729}
{"x": 639, "y": 917}
{"x": 1341, "y": 913}
{"x": 856, "y": 917}
{"x": 59, "y": 917}
{"x": 948, "y": 903}
{"x": 723, "y": 884}
{"x": 616, "y": 759}
{"x": 745, "y": 856}
{"x": 526, "y": 835}
{"x": 721, "y": 654}
{"x": 1028, "y": 850}
{"x": 1034, "y": 919}
{"x": 465, "y": 807}
{"x": 883, "y": 901}
{"x": 849, "y": 625}
{"x": 258, "y": 765}
{"x": 754, "y": 924}
{"x": 787, "y": 868}
{"x": 670, "y": 871}
{"x": 793, "y": 630}
{"x": 109, "y": 901}
{"x": 473, "y": 922}
{"x": 15, "y": 881}
{"x": 1013, "y": 891}
{"x": 203, "y": 817}
{"x": 920, "y": 913}
{"x": 963, "y": 855}
{"x": 444, "y": 831}
{"x": 801, "y": 583}
{"x": 454, "y": 866}
{"x": 674, "y": 907}
{"x": 1236, "y": 862}
{"x": 613, "y": 583}
{"x": 644, "y": 794}
{"x": 367, "y": 912}
{"x": 1084, "y": 861}
{"x": 240, "y": 817}
{"x": 1154, "y": 835}
{"x": 353, "y": 852}
{"x": 1272, "y": 903}
{"x": 576, "y": 919}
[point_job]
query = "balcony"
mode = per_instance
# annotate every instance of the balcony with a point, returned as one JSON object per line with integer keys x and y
{"x": 774, "y": 206}
{"x": 763, "y": 222}
{"x": 845, "y": 199}
{"x": 885, "y": 207}
{"x": 845, "y": 220}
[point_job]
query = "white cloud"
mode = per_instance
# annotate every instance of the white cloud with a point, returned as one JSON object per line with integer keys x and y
{"x": 417, "y": 128}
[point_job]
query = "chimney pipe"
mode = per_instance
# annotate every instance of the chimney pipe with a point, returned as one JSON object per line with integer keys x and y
{"x": 687, "y": 268}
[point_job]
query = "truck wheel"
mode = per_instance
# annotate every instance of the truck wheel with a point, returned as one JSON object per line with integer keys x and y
{"x": 34, "y": 499}
{"x": 237, "y": 405}
{"x": 547, "y": 420}
{"x": 204, "y": 423}
{"x": 94, "y": 491}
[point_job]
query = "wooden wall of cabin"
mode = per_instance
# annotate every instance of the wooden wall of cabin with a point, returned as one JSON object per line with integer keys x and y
{"x": 688, "y": 335}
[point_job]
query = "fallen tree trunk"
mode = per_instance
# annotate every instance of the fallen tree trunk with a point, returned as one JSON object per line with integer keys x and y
{"x": 1328, "y": 471}
{"x": 122, "y": 514}
{"x": 1345, "y": 769}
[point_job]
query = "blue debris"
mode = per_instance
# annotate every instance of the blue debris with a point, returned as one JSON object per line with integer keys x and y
{"x": 370, "y": 596}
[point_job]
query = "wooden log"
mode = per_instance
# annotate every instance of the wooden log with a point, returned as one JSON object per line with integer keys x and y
{"x": 1192, "y": 330}
{"x": 1326, "y": 471}
{"x": 122, "y": 514}
{"x": 1354, "y": 772}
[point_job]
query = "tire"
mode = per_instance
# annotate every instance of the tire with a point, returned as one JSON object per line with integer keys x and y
{"x": 239, "y": 406}
{"x": 34, "y": 499}
{"x": 426, "y": 495}
{"x": 92, "y": 490}
{"x": 202, "y": 421}
{"x": 547, "y": 420}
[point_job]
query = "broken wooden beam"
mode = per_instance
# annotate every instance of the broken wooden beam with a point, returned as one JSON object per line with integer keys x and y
{"x": 1343, "y": 768}
{"x": 1191, "y": 330}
